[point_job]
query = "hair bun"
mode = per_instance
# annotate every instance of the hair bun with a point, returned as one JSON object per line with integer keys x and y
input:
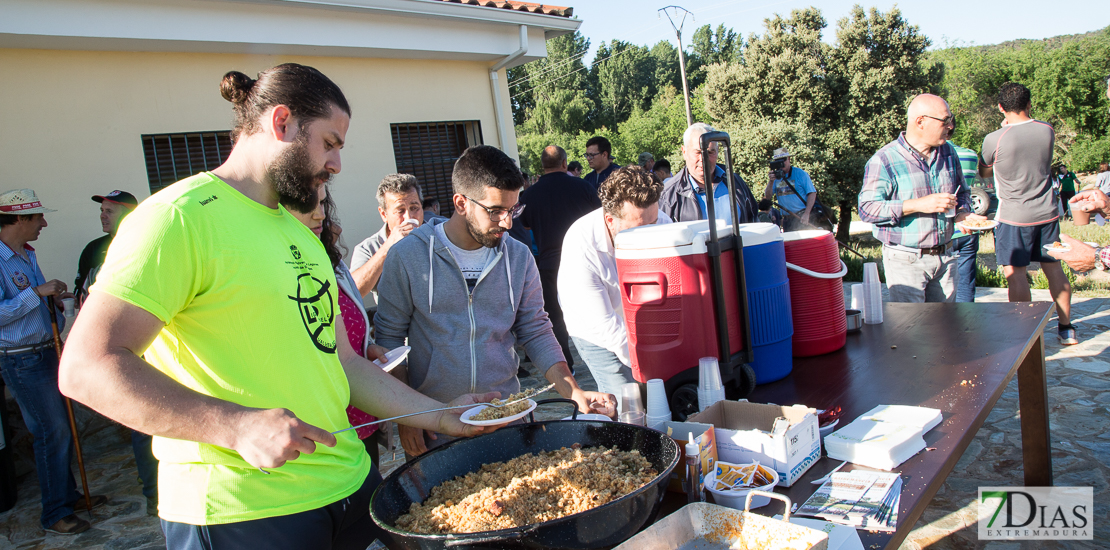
{"x": 236, "y": 87}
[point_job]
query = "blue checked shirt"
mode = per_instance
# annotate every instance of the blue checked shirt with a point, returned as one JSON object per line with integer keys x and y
{"x": 896, "y": 173}
{"x": 24, "y": 318}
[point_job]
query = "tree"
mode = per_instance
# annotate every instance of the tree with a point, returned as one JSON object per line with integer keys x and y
{"x": 831, "y": 106}
{"x": 709, "y": 47}
{"x": 1065, "y": 75}
{"x": 659, "y": 129}
{"x": 666, "y": 65}
{"x": 543, "y": 80}
{"x": 879, "y": 66}
{"x": 625, "y": 80}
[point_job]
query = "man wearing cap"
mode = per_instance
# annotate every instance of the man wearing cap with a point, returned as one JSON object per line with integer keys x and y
{"x": 793, "y": 190}
{"x": 646, "y": 161}
{"x": 113, "y": 207}
{"x": 29, "y": 362}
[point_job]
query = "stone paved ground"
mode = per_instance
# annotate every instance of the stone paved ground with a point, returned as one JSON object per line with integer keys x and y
{"x": 1079, "y": 397}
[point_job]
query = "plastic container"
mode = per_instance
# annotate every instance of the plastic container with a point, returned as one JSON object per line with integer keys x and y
{"x": 667, "y": 297}
{"x": 735, "y": 499}
{"x": 816, "y": 292}
{"x": 769, "y": 304}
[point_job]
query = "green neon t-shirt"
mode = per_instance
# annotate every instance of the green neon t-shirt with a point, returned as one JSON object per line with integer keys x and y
{"x": 248, "y": 296}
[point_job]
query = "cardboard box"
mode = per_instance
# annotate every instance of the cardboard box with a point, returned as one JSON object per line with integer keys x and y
{"x": 707, "y": 450}
{"x": 783, "y": 438}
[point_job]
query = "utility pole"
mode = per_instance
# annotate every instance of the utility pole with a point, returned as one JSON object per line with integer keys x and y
{"x": 681, "y": 54}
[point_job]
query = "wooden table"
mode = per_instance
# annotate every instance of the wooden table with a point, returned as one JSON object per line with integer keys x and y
{"x": 954, "y": 357}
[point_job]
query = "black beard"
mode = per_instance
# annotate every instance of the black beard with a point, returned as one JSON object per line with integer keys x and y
{"x": 292, "y": 178}
{"x": 490, "y": 239}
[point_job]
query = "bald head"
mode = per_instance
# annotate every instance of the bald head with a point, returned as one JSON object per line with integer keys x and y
{"x": 553, "y": 159}
{"x": 925, "y": 105}
{"x": 928, "y": 122}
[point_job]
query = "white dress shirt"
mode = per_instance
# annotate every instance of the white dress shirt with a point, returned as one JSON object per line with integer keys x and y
{"x": 589, "y": 290}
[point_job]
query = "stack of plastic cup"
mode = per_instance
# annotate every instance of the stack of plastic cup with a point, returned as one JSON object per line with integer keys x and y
{"x": 710, "y": 388}
{"x": 658, "y": 411}
{"x": 857, "y": 297}
{"x": 872, "y": 295}
{"x": 632, "y": 405}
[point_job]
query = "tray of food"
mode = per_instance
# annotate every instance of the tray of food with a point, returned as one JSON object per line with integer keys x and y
{"x": 534, "y": 485}
{"x": 705, "y": 526}
{"x": 971, "y": 226}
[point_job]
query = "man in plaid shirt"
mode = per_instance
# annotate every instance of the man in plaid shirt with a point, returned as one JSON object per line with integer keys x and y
{"x": 908, "y": 186}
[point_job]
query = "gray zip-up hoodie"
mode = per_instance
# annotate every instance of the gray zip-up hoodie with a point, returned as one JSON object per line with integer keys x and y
{"x": 462, "y": 342}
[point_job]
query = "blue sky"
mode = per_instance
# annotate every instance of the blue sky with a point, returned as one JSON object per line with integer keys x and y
{"x": 953, "y": 21}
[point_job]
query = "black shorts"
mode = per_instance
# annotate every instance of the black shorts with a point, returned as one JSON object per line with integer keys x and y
{"x": 343, "y": 525}
{"x": 1017, "y": 245}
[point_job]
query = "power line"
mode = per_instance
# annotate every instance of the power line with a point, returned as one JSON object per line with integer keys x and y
{"x": 577, "y": 57}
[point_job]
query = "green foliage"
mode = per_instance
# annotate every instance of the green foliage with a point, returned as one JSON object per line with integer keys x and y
{"x": 831, "y": 106}
{"x": 625, "y": 81}
{"x": 1065, "y": 75}
{"x": 544, "y": 81}
{"x": 709, "y": 47}
{"x": 657, "y": 130}
{"x": 989, "y": 279}
{"x": 1038, "y": 279}
{"x": 872, "y": 253}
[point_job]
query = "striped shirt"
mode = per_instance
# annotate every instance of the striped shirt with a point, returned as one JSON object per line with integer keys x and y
{"x": 969, "y": 161}
{"x": 24, "y": 317}
{"x": 897, "y": 173}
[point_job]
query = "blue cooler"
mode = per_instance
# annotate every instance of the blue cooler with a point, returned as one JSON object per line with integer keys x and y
{"x": 772, "y": 325}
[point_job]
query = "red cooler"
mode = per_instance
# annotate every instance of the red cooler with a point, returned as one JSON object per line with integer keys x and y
{"x": 816, "y": 292}
{"x": 667, "y": 294}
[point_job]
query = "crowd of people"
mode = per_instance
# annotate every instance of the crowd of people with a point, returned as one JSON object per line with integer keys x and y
{"x": 223, "y": 319}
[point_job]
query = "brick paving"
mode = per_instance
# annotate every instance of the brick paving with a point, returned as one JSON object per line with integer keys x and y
{"x": 1079, "y": 400}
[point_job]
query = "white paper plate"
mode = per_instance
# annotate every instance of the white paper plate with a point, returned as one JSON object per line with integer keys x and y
{"x": 393, "y": 358}
{"x": 466, "y": 416}
{"x": 966, "y": 229}
{"x": 1050, "y": 248}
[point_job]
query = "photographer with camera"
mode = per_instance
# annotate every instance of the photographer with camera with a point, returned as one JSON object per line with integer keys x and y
{"x": 789, "y": 184}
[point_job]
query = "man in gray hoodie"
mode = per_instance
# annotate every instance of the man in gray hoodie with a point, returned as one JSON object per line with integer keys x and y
{"x": 463, "y": 296}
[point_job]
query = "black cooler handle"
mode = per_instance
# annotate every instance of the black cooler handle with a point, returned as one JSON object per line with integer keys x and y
{"x": 573, "y": 416}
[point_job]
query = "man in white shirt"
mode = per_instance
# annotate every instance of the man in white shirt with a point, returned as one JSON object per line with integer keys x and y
{"x": 589, "y": 291}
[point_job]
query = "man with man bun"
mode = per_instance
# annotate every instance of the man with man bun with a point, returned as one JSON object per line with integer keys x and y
{"x": 248, "y": 369}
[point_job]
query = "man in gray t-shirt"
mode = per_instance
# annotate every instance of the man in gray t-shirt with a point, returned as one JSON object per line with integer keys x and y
{"x": 1019, "y": 156}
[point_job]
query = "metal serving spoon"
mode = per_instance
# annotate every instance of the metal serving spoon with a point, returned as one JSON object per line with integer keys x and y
{"x": 527, "y": 395}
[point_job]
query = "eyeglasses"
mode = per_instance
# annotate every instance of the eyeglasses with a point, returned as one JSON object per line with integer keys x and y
{"x": 945, "y": 121}
{"x": 590, "y": 156}
{"x": 498, "y": 214}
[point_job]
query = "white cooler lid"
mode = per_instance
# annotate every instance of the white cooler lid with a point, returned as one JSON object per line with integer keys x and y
{"x": 684, "y": 238}
{"x": 668, "y": 235}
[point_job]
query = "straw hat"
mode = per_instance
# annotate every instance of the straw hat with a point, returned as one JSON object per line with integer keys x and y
{"x": 22, "y": 202}
{"x": 780, "y": 153}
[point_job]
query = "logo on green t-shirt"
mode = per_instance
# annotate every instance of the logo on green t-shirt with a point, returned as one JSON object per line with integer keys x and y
{"x": 296, "y": 253}
{"x": 315, "y": 302}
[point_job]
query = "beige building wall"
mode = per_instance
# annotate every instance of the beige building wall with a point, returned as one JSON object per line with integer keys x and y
{"x": 73, "y": 121}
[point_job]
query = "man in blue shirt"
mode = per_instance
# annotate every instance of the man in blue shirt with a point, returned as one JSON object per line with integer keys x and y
{"x": 794, "y": 192}
{"x": 29, "y": 362}
{"x": 599, "y": 155}
{"x": 683, "y": 197}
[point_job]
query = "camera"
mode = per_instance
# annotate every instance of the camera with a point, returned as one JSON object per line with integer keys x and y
{"x": 776, "y": 166}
